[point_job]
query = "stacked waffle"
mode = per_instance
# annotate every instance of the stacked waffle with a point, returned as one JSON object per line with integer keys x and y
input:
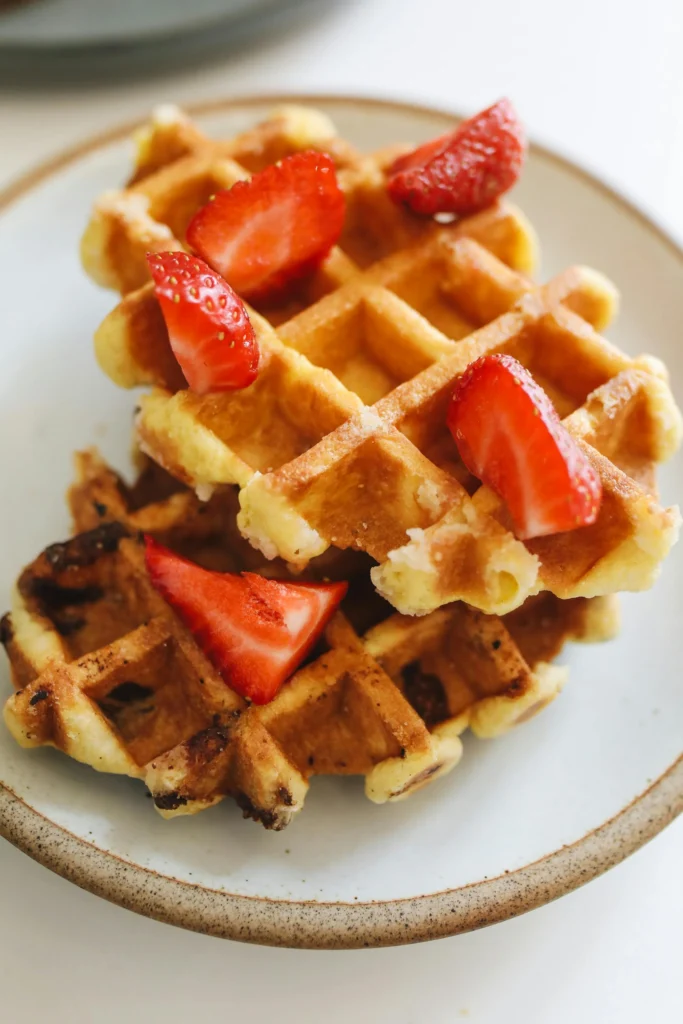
{"x": 336, "y": 463}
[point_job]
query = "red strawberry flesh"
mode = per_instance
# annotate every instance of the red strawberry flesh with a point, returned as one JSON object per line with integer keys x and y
{"x": 255, "y": 631}
{"x": 208, "y": 326}
{"x": 266, "y": 232}
{"x": 509, "y": 435}
{"x": 464, "y": 171}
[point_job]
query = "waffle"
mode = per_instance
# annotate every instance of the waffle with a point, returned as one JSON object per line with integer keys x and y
{"x": 626, "y": 425}
{"x": 178, "y": 169}
{"x": 105, "y": 671}
{"x": 341, "y": 442}
{"x": 303, "y": 445}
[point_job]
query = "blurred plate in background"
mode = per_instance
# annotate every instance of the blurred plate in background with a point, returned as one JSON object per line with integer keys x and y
{"x": 47, "y": 37}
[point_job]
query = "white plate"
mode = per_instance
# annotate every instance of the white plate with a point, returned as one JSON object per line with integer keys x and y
{"x": 488, "y": 841}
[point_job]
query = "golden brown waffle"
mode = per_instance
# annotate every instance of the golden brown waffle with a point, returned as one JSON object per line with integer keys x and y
{"x": 178, "y": 169}
{"x": 625, "y": 426}
{"x": 106, "y": 672}
{"x": 318, "y": 467}
{"x": 341, "y": 442}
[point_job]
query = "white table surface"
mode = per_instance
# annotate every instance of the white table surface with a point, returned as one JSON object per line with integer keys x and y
{"x": 601, "y": 80}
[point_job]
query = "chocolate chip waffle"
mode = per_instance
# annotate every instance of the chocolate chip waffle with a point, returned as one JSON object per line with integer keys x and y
{"x": 105, "y": 671}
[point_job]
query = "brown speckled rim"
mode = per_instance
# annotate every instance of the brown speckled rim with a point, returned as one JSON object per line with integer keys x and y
{"x": 313, "y": 925}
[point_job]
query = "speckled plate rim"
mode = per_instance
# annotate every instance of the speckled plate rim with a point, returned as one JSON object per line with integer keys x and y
{"x": 312, "y": 924}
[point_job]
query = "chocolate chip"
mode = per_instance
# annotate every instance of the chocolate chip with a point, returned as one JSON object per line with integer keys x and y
{"x": 86, "y": 548}
{"x": 426, "y": 694}
{"x": 53, "y": 595}
{"x": 169, "y": 801}
{"x": 6, "y": 631}
{"x": 126, "y": 693}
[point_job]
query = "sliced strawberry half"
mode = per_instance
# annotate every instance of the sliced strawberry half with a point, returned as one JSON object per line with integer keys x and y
{"x": 254, "y": 630}
{"x": 510, "y": 436}
{"x": 208, "y": 326}
{"x": 277, "y": 226}
{"x": 465, "y": 170}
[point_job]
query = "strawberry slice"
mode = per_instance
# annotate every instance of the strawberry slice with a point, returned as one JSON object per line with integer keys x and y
{"x": 208, "y": 326}
{"x": 277, "y": 226}
{"x": 510, "y": 436}
{"x": 465, "y": 170}
{"x": 254, "y": 630}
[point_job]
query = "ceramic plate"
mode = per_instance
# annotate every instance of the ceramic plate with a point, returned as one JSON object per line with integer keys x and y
{"x": 526, "y": 817}
{"x": 46, "y": 24}
{"x": 72, "y": 39}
